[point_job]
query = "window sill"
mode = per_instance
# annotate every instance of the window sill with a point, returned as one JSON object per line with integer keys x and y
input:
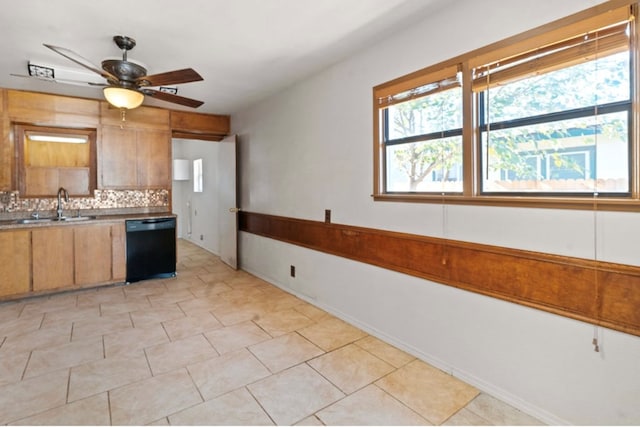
{"x": 578, "y": 203}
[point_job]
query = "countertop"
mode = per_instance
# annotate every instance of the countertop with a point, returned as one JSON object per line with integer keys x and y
{"x": 10, "y": 224}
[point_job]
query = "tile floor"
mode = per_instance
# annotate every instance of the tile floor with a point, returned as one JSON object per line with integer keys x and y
{"x": 215, "y": 347}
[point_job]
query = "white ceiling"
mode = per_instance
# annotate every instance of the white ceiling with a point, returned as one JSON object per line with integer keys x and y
{"x": 244, "y": 49}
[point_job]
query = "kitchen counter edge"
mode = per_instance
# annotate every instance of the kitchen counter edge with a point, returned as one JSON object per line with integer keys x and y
{"x": 12, "y": 224}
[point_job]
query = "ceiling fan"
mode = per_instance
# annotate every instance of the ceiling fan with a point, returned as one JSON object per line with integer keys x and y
{"x": 128, "y": 82}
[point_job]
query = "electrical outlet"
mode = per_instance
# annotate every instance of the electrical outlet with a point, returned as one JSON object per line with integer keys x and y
{"x": 293, "y": 271}
{"x": 202, "y": 237}
{"x": 327, "y": 216}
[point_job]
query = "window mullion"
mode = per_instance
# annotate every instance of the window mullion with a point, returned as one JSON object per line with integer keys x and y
{"x": 613, "y": 107}
{"x": 425, "y": 137}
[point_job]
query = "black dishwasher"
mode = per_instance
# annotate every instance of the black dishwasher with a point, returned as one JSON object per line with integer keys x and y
{"x": 151, "y": 248}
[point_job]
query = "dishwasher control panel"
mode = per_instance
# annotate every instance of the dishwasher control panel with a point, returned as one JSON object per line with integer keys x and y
{"x": 150, "y": 224}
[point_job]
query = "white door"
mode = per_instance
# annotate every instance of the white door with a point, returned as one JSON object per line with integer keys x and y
{"x": 228, "y": 211}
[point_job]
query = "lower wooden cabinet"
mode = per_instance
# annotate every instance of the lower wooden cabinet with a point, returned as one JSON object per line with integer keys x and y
{"x": 118, "y": 252}
{"x": 92, "y": 247}
{"x": 61, "y": 257}
{"x": 15, "y": 251}
{"x": 52, "y": 256}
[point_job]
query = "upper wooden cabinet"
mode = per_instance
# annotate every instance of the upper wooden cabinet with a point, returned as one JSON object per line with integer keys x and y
{"x": 134, "y": 153}
{"x": 134, "y": 158}
{"x": 153, "y": 159}
{"x": 52, "y": 110}
{"x": 117, "y": 157}
{"x": 139, "y": 118}
{"x": 189, "y": 125}
{"x": 6, "y": 146}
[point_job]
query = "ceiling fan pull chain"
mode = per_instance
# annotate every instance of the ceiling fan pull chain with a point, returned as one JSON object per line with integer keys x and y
{"x": 123, "y": 112}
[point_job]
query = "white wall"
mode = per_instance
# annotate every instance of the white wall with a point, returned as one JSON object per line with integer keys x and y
{"x": 310, "y": 148}
{"x": 204, "y": 206}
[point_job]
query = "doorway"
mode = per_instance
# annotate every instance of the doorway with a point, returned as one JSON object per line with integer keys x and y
{"x": 204, "y": 198}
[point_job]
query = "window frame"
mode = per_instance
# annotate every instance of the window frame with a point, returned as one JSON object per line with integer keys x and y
{"x": 417, "y": 138}
{"x": 472, "y": 193}
{"x": 21, "y": 132}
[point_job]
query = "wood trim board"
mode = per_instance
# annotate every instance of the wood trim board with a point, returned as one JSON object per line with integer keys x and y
{"x": 601, "y": 293}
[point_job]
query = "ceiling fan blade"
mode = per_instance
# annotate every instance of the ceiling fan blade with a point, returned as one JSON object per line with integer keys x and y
{"x": 65, "y": 81}
{"x": 72, "y": 56}
{"x": 169, "y": 97}
{"x": 186, "y": 75}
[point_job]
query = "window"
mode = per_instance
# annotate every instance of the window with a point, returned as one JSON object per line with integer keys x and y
{"x": 538, "y": 108}
{"x": 543, "y": 118}
{"x": 422, "y": 135}
{"x": 197, "y": 176}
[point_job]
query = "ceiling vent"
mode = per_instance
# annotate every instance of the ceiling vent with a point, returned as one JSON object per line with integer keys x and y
{"x": 64, "y": 75}
{"x": 41, "y": 71}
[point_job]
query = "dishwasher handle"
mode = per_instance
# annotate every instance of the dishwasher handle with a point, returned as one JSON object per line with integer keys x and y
{"x": 150, "y": 224}
{"x": 156, "y": 220}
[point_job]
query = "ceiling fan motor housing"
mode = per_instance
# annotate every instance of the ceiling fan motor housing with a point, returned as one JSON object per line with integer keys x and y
{"x": 127, "y": 72}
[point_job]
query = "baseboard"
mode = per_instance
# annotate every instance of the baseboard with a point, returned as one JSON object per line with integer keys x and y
{"x": 196, "y": 242}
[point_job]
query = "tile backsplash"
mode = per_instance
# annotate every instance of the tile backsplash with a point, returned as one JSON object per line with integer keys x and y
{"x": 11, "y": 203}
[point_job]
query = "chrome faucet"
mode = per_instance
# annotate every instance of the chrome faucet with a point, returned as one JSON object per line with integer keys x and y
{"x": 61, "y": 192}
{"x": 36, "y": 213}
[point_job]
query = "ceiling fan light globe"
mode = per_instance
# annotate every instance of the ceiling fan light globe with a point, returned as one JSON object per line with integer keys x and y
{"x": 123, "y": 98}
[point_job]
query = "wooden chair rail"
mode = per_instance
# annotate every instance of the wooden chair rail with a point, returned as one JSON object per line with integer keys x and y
{"x": 597, "y": 292}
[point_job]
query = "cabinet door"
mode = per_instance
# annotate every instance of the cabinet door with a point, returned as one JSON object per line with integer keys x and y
{"x": 186, "y": 124}
{"x": 15, "y": 249}
{"x": 118, "y": 252}
{"x": 55, "y": 110}
{"x": 92, "y": 248}
{"x": 154, "y": 158}
{"x": 138, "y": 118}
{"x": 52, "y": 258}
{"x": 6, "y": 147}
{"x": 117, "y": 157}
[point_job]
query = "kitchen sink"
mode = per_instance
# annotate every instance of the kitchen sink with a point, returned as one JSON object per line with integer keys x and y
{"x": 76, "y": 218}
{"x": 34, "y": 220}
{"x": 45, "y": 220}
